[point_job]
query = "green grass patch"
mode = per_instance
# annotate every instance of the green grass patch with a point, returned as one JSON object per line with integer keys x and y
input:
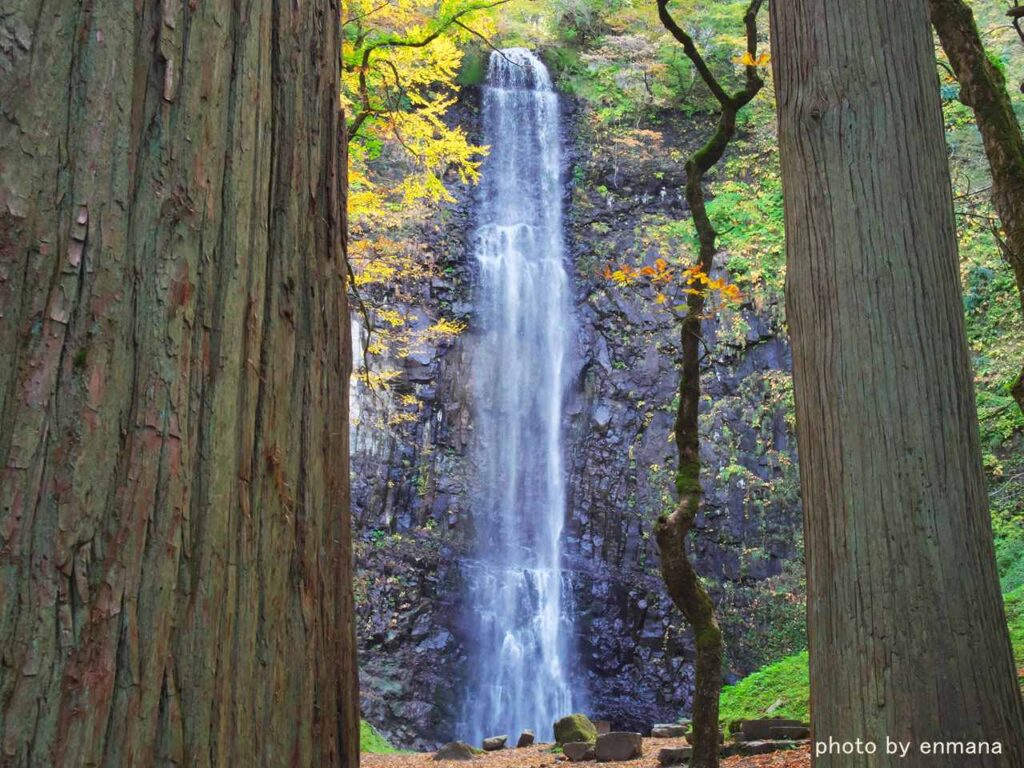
{"x": 784, "y": 681}
{"x": 1015, "y": 621}
{"x": 371, "y": 742}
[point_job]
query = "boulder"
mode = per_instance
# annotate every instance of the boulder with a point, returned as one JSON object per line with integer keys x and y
{"x": 494, "y": 743}
{"x": 667, "y": 731}
{"x": 675, "y": 755}
{"x": 525, "y": 739}
{"x": 618, "y": 745}
{"x": 575, "y": 728}
{"x": 454, "y": 750}
{"x": 577, "y": 751}
{"x": 603, "y": 726}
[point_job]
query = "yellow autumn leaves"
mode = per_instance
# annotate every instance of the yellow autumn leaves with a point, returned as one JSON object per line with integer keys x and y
{"x": 747, "y": 60}
{"x": 692, "y": 281}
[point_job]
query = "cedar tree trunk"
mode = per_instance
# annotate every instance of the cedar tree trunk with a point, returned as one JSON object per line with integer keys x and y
{"x": 906, "y": 624}
{"x": 175, "y": 568}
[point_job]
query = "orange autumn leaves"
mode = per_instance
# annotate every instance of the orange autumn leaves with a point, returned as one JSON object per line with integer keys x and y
{"x": 672, "y": 284}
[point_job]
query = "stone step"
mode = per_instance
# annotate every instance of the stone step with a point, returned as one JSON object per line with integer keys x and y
{"x": 618, "y": 745}
{"x": 760, "y": 747}
{"x": 668, "y": 731}
{"x": 674, "y": 755}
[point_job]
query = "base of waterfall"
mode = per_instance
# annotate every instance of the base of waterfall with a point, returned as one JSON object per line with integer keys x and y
{"x": 656, "y": 752}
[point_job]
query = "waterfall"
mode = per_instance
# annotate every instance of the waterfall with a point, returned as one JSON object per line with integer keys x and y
{"x": 516, "y": 593}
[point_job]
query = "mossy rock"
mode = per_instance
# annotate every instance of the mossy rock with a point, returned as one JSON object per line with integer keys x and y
{"x": 575, "y": 728}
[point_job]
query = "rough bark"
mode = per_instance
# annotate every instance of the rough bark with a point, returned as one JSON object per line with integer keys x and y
{"x": 671, "y": 530}
{"x": 906, "y": 625}
{"x": 175, "y": 571}
{"x": 983, "y": 89}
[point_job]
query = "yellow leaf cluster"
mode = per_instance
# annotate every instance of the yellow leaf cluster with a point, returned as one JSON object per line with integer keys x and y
{"x": 749, "y": 61}
{"x": 692, "y": 281}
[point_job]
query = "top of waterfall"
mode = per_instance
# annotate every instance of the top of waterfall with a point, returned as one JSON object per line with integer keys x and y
{"x": 517, "y": 68}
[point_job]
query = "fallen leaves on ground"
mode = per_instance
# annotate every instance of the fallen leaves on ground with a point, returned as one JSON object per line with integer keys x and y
{"x": 541, "y": 756}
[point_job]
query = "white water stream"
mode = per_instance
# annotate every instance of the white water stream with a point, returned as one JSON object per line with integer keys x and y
{"x": 516, "y": 590}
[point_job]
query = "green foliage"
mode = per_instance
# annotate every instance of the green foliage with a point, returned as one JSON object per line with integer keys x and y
{"x": 474, "y": 67}
{"x": 1007, "y": 499}
{"x": 785, "y": 681}
{"x": 748, "y": 216}
{"x": 1015, "y": 622}
{"x": 371, "y": 742}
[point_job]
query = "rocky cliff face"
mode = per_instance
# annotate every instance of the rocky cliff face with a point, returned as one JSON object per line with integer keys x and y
{"x": 410, "y": 481}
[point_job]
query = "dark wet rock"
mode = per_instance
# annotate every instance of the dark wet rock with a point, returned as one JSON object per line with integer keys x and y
{"x": 525, "y": 739}
{"x": 494, "y": 743}
{"x": 674, "y": 755}
{"x": 618, "y": 745}
{"x": 455, "y": 750}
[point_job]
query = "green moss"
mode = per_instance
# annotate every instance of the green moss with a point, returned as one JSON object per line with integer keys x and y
{"x": 575, "y": 728}
{"x": 371, "y": 742}
{"x": 688, "y": 479}
{"x": 785, "y": 681}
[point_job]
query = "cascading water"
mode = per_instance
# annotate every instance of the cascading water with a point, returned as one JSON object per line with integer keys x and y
{"x": 516, "y": 591}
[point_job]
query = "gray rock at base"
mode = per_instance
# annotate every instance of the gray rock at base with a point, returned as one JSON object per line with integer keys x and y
{"x": 667, "y": 731}
{"x": 675, "y": 755}
{"x": 454, "y": 750}
{"x": 494, "y": 743}
{"x": 525, "y": 739}
{"x": 618, "y": 745}
{"x": 578, "y": 751}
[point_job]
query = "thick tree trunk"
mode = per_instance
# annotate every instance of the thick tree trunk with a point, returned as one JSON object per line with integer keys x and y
{"x": 907, "y": 632}
{"x": 983, "y": 89}
{"x": 175, "y": 572}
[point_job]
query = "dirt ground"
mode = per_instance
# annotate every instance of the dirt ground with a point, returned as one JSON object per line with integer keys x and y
{"x": 541, "y": 756}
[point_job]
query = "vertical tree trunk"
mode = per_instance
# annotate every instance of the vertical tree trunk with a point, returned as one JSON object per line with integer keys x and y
{"x": 983, "y": 89}
{"x": 672, "y": 530}
{"x": 906, "y": 626}
{"x": 175, "y": 572}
